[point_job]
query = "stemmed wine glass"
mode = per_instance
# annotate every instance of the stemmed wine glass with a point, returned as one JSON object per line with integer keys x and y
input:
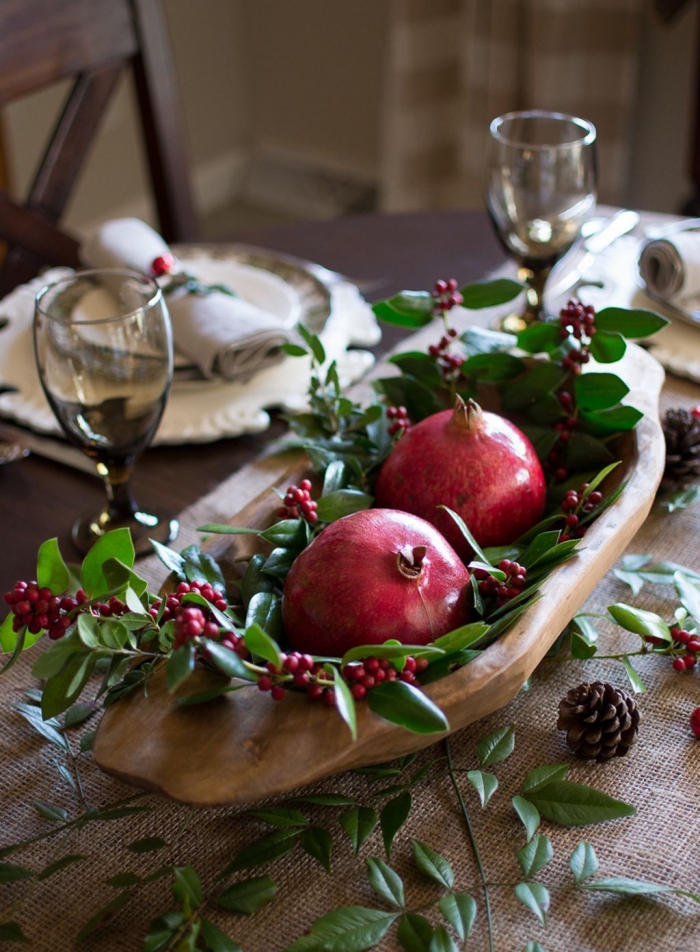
{"x": 104, "y": 352}
{"x": 541, "y": 188}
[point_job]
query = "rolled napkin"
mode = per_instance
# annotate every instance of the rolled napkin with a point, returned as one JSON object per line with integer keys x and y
{"x": 221, "y": 333}
{"x": 670, "y": 267}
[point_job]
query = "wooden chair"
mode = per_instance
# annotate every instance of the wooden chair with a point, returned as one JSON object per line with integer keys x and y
{"x": 43, "y": 41}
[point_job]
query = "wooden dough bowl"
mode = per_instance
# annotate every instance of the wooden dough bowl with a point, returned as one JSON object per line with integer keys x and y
{"x": 244, "y": 746}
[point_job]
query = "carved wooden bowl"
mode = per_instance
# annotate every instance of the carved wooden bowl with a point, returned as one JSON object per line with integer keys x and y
{"x": 244, "y": 746}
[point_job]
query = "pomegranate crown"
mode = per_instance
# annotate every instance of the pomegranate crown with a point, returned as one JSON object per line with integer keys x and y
{"x": 466, "y": 416}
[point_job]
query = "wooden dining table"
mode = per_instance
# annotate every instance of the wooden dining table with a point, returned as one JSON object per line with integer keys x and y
{"x": 659, "y": 777}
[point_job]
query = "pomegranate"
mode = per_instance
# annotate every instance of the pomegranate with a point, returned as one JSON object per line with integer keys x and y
{"x": 371, "y": 576}
{"x": 477, "y": 463}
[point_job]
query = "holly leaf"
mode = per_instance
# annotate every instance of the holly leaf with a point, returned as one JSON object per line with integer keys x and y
{"x": 607, "y": 347}
{"x": 640, "y": 622}
{"x": 599, "y": 391}
{"x": 180, "y": 666}
{"x": 51, "y": 571}
{"x": 115, "y": 544}
{"x": 496, "y": 746}
{"x": 259, "y": 643}
{"x": 341, "y": 503}
{"x": 633, "y": 322}
{"x": 402, "y": 704}
{"x": 481, "y": 294}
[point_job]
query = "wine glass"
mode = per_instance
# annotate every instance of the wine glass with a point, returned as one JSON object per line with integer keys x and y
{"x": 104, "y": 352}
{"x": 541, "y": 188}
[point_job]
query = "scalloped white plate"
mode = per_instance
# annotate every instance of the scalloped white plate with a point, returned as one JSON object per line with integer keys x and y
{"x": 201, "y": 411}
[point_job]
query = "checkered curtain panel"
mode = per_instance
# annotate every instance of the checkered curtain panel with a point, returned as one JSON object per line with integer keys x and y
{"x": 454, "y": 65}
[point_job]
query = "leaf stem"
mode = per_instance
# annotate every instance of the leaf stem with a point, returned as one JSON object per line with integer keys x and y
{"x": 472, "y": 840}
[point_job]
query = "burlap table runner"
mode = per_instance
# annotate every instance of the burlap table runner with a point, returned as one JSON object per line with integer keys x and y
{"x": 660, "y": 776}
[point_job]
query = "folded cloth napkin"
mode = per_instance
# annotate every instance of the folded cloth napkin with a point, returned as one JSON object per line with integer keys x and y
{"x": 670, "y": 267}
{"x": 222, "y": 334}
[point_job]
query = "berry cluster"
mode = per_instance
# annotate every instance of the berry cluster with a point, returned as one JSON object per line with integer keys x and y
{"x": 514, "y": 582}
{"x": 40, "y": 610}
{"x": 563, "y": 430}
{"x": 575, "y": 503}
{"x": 192, "y": 621}
{"x": 578, "y": 321}
{"x": 446, "y": 296}
{"x": 400, "y": 421}
{"x": 297, "y": 670}
{"x": 298, "y": 504}
{"x": 450, "y": 364}
{"x": 685, "y": 646}
{"x": 368, "y": 673}
{"x": 161, "y": 265}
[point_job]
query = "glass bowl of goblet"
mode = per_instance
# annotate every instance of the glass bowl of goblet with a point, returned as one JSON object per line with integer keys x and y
{"x": 104, "y": 353}
{"x": 541, "y": 188}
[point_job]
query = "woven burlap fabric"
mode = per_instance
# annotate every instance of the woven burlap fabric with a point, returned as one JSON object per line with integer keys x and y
{"x": 660, "y": 777}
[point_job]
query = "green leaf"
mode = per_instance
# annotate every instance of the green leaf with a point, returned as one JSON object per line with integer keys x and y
{"x": 313, "y": 343}
{"x": 541, "y": 776}
{"x": 640, "y": 622}
{"x": 417, "y": 302}
{"x": 583, "y": 862}
{"x": 633, "y": 675}
{"x": 419, "y": 400}
{"x": 535, "y": 855}
{"x": 215, "y": 940}
{"x": 116, "y": 544}
{"x": 318, "y": 843}
{"x": 345, "y": 702}
{"x": 59, "y": 864}
{"x": 529, "y": 815}
{"x": 607, "y": 347}
{"x": 635, "y": 887}
{"x": 390, "y": 649}
{"x": 539, "y": 338}
{"x": 248, "y": 896}
{"x": 482, "y": 294}
{"x": 442, "y": 941}
{"x": 280, "y": 816}
{"x": 327, "y": 800}
{"x": 294, "y": 350}
{"x": 402, "y": 704}
{"x": 536, "y": 897}
{"x": 267, "y": 848}
{"x": 12, "y": 932}
{"x": 279, "y": 562}
{"x": 10, "y": 873}
{"x": 12, "y": 641}
{"x": 484, "y": 783}
{"x": 598, "y": 391}
{"x": 496, "y": 747}
{"x": 635, "y": 322}
{"x": 604, "y": 423}
{"x": 688, "y": 594}
{"x": 493, "y": 368}
{"x": 341, "y": 503}
{"x": 459, "y": 909}
{"x": 187, "y": 886}
{"x": 64, "y": 688}
{"x": 393, "y": 816}
{"x": 679, "y": 500}
{"x": 433, "y": 865}
{"x": 290, "y": 533}
{"x": 533, "y": 946}
{"x": 584, "y": 452}
{"x": 265, "y": 610}
{"x": 104, "y": 915}
{"x": 50, "y": 812}
{"x": 172, "y": 560}
{"x": 86, "y": 741}
{"x": 228, "y": 662}
{"x": 358, "y": 823}
{"x": 51, "y": 571}
{"x": 575, "y": 804}
{"x": 463, "y": 528}
{"x": 401, "y": 318}
{"x": 56, "y": 656}
{"x": 414, "y": 933}
{"x": 460, "y": 638}
{"x": 148, "y": 844}
{"x": 124, "y": 880}
{"x": 387, "y": 883}
{"x": 259, "y": 643}
{"x": 421, "y": 366}
{"x": 348, "y": 929}
{"x": 180, "y": 666}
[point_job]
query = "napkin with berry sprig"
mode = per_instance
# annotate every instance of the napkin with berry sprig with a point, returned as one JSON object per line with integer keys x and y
{"x": 224, "y": 335}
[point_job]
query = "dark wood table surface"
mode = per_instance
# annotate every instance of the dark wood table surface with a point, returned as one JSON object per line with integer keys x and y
{"x": 40, "y": 499}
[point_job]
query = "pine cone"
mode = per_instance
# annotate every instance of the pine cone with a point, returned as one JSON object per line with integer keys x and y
{"x": 600, "y": 720}
{"x": 682, "y": 433}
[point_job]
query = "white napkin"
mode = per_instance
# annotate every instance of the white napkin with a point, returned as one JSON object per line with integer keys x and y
{"x": 670, "y": 267}
{"x": 224, "y": 336}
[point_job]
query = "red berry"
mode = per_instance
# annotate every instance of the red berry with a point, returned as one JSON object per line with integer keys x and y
{"x": 359, "y": 691}
{"x": 678, "y": 664}
{"x": 689, "y": 660}
{"x": 264, "y": 682}
{"x": 329, "y": 697}
{"x": 277, "y": 693}
{"x": 695, "y": 722}
{"x": 693, "y": 645}
{"x": 162, "y": 264}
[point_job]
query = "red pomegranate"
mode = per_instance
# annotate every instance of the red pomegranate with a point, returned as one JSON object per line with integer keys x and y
{"x": 371, "y": 576}
{"x": 477, "y": 463}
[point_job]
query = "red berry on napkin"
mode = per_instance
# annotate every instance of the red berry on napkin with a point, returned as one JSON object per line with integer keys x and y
{"x": 162, "y": 265}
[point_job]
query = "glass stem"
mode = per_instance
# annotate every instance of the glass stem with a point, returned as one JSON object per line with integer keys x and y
{"x": 121, "y": 504}
{"x": 535, "y": 280}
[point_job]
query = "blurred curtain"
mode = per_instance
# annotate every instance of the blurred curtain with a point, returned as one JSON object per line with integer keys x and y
{"x": 454, "y": 65}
